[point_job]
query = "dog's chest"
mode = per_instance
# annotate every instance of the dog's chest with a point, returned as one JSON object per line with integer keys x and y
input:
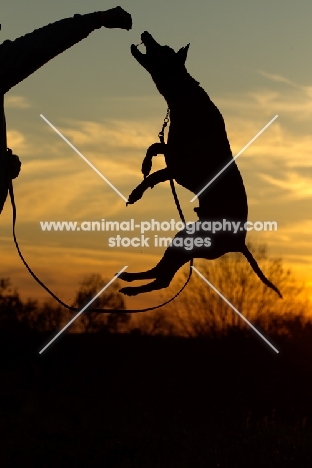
{"x": 203, "y": 144}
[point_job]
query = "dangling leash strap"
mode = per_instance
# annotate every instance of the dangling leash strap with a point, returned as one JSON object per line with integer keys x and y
{"x": 105, "y": 311}
{"x": 161, "y": 136}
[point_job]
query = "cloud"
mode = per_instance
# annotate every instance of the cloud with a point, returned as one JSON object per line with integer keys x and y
{"x": 17, "y": 141}
{"x": 292, "y": 102}
{"x": 286, "y": 145}
{"x": 17, "y": 102}
{"x": 55, "y": 179}
{"x": 57, "y": 184}
{"x": 278, "y": 78}
{"x": 295, "y": 103}
{"x": 296, "y": 185}
{"x": 112, "y": 134}
{"x": 116, "y": 149}
{"x": 294, "y": 245}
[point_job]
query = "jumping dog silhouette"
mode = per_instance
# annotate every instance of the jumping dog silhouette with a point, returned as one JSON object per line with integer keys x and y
{"x": 197, "y": 149}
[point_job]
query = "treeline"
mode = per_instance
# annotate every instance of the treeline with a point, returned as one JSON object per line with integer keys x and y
{"x": 198, "y": 311}
{"x": 50, "y": 316}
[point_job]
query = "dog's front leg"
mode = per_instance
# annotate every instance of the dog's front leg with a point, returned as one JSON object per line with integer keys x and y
{"x": 159, "y": 176}
{"x": 153, "y": 150}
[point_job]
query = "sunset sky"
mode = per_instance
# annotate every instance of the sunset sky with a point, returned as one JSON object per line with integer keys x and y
{"x": 254, "y": 61}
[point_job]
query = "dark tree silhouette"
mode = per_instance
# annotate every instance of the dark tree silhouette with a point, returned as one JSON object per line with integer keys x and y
{"x": 200, "y": 311}
{"x": 110, "y": 299}
{"x": 49, "y": 316}
{"x": 10, "y": 305}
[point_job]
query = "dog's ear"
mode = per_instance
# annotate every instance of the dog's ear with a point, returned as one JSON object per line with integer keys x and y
{"x": 182, "y": 53}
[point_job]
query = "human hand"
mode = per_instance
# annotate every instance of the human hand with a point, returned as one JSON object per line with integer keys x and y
{"x": 14, "y": 164}
{"x": 116, "y": 18}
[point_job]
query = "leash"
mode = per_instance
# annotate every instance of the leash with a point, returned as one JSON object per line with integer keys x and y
{"x": 105, "y": 311}
{"x": 161, "y": 136}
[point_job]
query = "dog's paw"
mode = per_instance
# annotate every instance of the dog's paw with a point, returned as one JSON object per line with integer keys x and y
{"x": 128, "y": 291}
{"x": 146, "y": 166}
{"x": 125, "y": 276}
{"x": 135, "y": 195}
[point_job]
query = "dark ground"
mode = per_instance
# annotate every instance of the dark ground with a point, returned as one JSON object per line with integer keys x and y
{"x": 135, "y": 401}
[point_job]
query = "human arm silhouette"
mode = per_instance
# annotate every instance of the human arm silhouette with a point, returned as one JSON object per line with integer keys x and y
{"x": 23, "y": 56}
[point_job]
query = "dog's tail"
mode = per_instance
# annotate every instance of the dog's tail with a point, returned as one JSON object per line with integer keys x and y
{"x": 257, "y": 270}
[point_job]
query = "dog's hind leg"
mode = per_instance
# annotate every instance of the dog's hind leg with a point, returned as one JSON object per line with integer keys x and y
{"x": 141, "y": 275}
{"x": 174, "y": 258}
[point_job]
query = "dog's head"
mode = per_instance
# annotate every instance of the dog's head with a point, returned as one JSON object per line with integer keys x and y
{"x": 161, "y": 62}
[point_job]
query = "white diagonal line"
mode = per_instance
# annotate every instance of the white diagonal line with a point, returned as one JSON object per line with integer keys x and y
{"x": 228, "y": 164}
{"x": 83, "y": 157}
{"x": 235, "y": 310}
{"x": 83, "y": 309}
